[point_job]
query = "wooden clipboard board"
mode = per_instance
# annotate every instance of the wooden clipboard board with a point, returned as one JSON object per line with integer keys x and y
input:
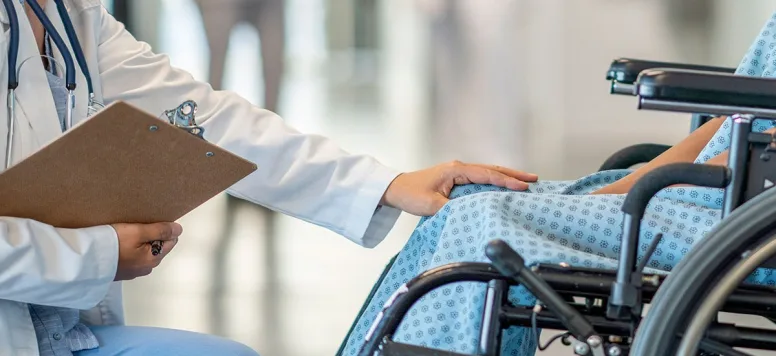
{"x": 122, "y": 165}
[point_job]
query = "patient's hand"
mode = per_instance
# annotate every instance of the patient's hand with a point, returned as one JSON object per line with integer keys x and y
{"x": 424, "y": 192}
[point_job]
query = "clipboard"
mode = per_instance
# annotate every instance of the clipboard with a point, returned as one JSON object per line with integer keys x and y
{"x": 122, "y": 165}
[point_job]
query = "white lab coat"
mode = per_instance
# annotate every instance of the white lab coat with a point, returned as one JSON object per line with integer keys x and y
{"x": 305, "y": 176}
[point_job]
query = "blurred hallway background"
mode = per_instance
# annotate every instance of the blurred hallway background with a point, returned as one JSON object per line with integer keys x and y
{"x": 413, "y": 83}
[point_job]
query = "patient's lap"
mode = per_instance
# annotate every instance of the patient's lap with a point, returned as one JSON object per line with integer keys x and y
{"x": 554, "y": 222}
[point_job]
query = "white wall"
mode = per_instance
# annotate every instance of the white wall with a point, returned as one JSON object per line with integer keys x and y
{"x": 574, "y": 122}
{"x": 736, "y": 27}
{"x": 569, "y": 45}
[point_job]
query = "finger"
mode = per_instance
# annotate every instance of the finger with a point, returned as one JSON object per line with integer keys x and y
{"x": 468, "y": 174}
{"x": 160, "y": 232}
{"x": 523, "y": 176}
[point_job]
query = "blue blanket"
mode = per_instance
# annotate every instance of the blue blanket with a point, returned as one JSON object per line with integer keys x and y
{"x": 553, "y": 222}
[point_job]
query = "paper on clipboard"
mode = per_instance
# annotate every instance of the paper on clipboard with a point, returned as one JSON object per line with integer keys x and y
{"x": 122, "y": 165}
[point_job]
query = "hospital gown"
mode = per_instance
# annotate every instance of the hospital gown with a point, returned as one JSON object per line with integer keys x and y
{"x": 552, "y": 222}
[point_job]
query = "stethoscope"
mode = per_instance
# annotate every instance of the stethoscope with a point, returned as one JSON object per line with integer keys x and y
{"x": 70, "y": 74}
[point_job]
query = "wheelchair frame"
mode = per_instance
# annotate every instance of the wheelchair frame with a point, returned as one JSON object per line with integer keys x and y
{"x": 608, "y": 320}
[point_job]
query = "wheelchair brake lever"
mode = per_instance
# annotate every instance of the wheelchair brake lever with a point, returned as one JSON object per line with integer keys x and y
{"x": 509, "y": 263}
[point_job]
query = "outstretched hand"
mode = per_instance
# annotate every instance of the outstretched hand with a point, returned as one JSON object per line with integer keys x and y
{"x": 424, "y": 192}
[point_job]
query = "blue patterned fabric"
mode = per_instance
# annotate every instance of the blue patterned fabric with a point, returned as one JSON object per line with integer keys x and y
{"x": 58, "y": 330}
{"x": 552, "y": 222}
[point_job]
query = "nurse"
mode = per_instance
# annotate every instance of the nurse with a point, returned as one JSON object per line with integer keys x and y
{"x": 60, "y": 291}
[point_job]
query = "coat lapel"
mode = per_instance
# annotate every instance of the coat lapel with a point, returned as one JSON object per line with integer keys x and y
{"x": 35, "y": 109}
{"x": 4, "y": 29}
{"x": 35, "y": 105}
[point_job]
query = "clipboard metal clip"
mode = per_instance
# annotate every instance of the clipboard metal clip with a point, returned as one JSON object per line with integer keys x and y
{"x": 183, "y": 117}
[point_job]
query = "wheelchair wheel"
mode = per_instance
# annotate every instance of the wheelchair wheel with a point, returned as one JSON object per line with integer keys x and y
{"x": 678, "y": 299}
{"x": 708, "y": 309}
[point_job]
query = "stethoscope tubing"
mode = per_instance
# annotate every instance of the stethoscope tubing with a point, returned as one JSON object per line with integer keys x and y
{"x": 69, "y": 63}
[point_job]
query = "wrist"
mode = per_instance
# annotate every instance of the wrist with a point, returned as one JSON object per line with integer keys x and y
{"x": 389, "y": 196}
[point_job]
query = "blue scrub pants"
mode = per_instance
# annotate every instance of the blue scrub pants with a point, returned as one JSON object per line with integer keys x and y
{"x": 144, "y": 341}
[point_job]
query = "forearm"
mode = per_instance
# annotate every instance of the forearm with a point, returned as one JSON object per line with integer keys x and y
{"x": 685, "y": 151}
{"x": 69, "y": 268}
{"x": 721, "y": 160}
{"x": 305, "y": 176}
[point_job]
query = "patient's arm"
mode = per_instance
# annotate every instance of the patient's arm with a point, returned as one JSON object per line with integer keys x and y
{"x": 722, "y": 159}
{"x": 685, "y": 151}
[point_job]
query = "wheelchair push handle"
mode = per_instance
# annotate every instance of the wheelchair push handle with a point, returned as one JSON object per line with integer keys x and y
{"x": 677, "y": 173}
{"x": 509, "y": 263}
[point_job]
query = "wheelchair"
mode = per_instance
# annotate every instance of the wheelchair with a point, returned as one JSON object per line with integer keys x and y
{"x": 602, "y": 310}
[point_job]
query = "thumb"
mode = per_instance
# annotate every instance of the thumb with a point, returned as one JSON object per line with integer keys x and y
{"x": 161, "y": 232}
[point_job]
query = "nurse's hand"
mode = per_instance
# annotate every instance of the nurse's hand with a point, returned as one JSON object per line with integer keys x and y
{"x": 424, "y": 192}
{"x": 135, "y": 257}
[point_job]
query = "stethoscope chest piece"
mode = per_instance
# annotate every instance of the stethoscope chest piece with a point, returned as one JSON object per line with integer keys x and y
{"x": 94, "y": 106}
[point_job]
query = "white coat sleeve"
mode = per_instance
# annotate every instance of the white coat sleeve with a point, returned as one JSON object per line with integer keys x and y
{"x": 69, "y": 268}
{"x": 110, "y": 311}
{"x": 304, "y": 176}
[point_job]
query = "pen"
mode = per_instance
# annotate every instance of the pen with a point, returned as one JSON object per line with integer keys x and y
{"x": 156, "y": 247}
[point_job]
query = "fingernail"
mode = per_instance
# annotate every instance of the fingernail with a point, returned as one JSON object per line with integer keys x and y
{"x": 519, "y": 185}
{"x": 177, "y": 229}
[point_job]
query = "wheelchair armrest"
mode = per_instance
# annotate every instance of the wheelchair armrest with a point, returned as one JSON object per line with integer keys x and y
{"x": 716, "y": 91}
{"x": 627, "y": 70}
